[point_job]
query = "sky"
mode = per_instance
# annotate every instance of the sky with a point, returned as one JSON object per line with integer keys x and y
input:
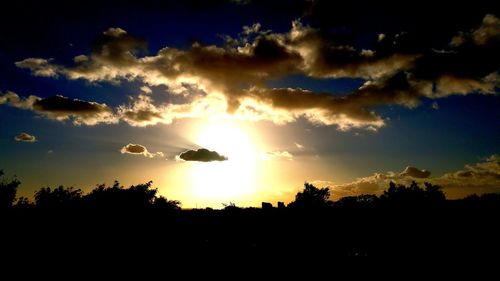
{"x": 244, "y": 101}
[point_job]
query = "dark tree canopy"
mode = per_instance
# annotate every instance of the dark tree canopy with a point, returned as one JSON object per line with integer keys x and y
{"x": 311, "y": 197}
{"x": 8, "y": 190}
{"x": 58, "y": 197}
{"x": 413, "y": 194}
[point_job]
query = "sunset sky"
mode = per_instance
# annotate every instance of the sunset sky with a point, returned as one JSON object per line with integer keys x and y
{"x": 244, "y": 101}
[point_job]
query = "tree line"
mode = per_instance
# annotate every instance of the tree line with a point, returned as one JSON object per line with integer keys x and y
{"x": 144, "y": 196}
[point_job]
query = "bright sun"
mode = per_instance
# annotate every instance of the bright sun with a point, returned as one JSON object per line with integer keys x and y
{"x": 226, "y": 180}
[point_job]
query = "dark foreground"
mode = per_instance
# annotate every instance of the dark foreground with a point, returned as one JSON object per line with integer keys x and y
{"x": 135, "y": 229}
{"x": 359, "y": 232}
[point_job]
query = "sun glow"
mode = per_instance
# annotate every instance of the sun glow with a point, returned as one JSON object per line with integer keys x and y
{"x": 231, "y": 180}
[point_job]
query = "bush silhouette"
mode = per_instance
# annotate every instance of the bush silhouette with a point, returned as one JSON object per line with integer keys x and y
{"x": 163, "y": 203}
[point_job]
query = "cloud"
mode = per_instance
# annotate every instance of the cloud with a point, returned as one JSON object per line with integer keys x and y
{"x": 487, "y": 170}
{"x": 146, "y": 90}
{"x": 25, "y": 137}
{"x": 400, "y": 69}
{"x": 481, "y": 177}
{"x": 139, "y": 112}
{"x": 142, "y": 112}
{"x": 488, "y": 31}
{"x": 415, "y": 173}
{"x": 138, "y": 149}
{"x": 201, "y": 155}
{"x": 325, "y": 56}
{"x": 39, "y": 67}
{"x": 319, "y": 108}
{"x": 298, "y": 145}
{"x": 12, "y": 99}
{"x": 277, "y": 155}
{"x": 62, "y": 108}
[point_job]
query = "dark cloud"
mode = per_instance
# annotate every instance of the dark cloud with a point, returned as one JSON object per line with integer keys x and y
{"x": 202, "y": 155}
{"x": 432, "y": 18}
{"x": 63, "y": 105}
{"x": 25, "y": 137}
{"x": 80, "y": 112}
{"x": 62, "y": 108}
{"x": 138, "y": 149}
{"x": 331, "y": 56}
{"x": 321, "y": 108}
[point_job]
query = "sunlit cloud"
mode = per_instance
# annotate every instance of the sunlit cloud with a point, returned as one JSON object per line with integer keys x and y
{"x": 25, "y": 137}
{"x": 415, "y": 173}
{"x": 277, "y": 155}
{"x": 488, "y": 31}
{"x": 238, "y": 71}
{"x": 137, "y": 149}
{"x": 481, "y": 177}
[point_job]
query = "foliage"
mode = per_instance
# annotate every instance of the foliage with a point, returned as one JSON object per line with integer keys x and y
{"x": 311, "y": 197}
{"x": 58, "y": 197}
{"x": 413, "y": 194}
{"x": 8, "y": 190}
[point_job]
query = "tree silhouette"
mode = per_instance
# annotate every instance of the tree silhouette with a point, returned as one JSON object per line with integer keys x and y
{"x": 60, "y": 197}
{"x": 311, "y": 197}
{"x": 8, "y": 190}
{"x": 139, "y": 196}
{"x": 413, "y": 195}
{"x": 434, "y": 193}
{"x": 23, "y": 203}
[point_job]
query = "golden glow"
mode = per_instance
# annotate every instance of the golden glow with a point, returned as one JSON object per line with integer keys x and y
{"x": 231, "y": 180}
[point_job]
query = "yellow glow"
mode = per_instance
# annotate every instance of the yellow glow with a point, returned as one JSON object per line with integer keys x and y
{"x": 231, "y": 180}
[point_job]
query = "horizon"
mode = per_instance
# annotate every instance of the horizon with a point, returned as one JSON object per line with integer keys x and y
{"x": 245, "y": 101}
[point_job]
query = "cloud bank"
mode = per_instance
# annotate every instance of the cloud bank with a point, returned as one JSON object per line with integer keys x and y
{"x": 398, "y": 70}
{"x": 481, "y": 177}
